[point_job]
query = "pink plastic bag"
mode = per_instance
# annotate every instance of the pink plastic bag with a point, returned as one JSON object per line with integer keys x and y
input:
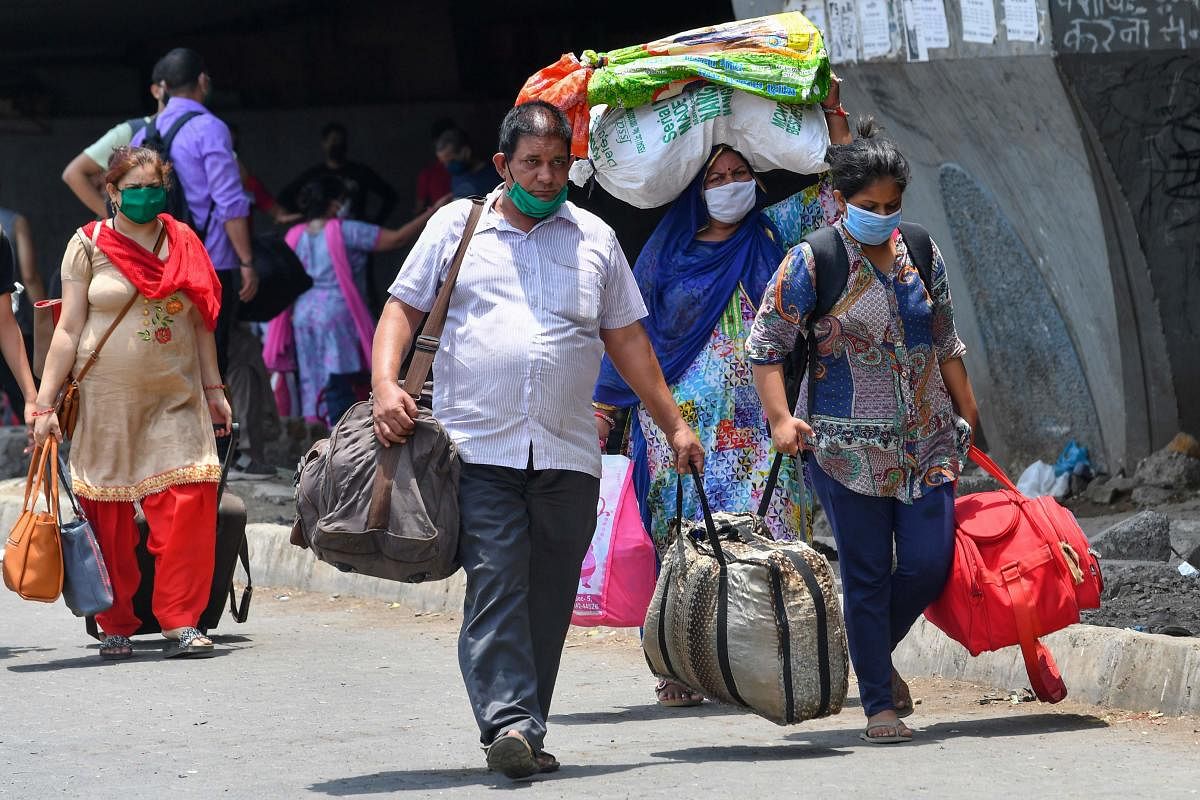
{"x": 617, "y": 580}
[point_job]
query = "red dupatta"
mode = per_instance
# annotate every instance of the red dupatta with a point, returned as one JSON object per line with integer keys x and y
{"x": 187, "y": 269}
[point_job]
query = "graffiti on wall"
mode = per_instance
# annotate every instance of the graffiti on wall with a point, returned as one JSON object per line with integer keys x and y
{"x": 1112, "y": 26}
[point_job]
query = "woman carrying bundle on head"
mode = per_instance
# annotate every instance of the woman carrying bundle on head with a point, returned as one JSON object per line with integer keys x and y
{"x": 702, "y": 274}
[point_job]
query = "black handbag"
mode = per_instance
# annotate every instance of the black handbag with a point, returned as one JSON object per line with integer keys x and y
{"x": 281, "y": 279}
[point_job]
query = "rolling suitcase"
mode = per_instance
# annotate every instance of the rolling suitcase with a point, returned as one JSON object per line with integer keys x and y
{"x": 231, "y": 548}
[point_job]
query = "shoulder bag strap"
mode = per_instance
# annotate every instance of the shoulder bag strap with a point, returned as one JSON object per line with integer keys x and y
{"x": 920, "y": 249}
{"x": 430, "y": 339}
{"x": 162, "y": 235}
{"x": 380, "y": 511}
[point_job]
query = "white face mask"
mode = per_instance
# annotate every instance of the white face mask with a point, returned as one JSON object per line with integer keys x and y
{"x": 343, "y": 211}
{"x": 732, "y": 202}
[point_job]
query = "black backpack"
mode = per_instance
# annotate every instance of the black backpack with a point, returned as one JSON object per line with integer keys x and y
{"x": 833, "y": 270}
{"x": 177, "y": 204}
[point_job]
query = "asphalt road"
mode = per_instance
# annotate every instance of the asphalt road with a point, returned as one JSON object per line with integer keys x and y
{"x": 317, "y": 698}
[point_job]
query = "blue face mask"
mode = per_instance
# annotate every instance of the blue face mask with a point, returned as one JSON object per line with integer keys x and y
{"x": 869, "y": 228}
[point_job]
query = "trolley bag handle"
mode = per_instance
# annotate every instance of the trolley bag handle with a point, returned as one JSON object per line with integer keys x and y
{"x": 380, "y": 510}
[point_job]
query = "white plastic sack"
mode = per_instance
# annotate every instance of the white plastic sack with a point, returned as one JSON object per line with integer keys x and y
{"x": 647, "y": 156}
{"x": 1037, "y": 480}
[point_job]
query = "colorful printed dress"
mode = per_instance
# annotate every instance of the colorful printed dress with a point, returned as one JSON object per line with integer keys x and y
{"x": 326, "y": 342}
{"x": 717, "y": 397}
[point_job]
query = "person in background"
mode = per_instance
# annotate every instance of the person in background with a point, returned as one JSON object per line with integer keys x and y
{"x": 18, "y": 237}
{"x": 206, "y": 169}
{"x": 327, "y": 334}
{"x": 702, "y": 274}
{"x": 85, "y": 174}
{"x": 544, "y": 291}
{"x": 433, "y": 182}
{"x": 891, "y": 414}
{"x": 146, "y": 407}
{"x": 470, "y": 176}
{"x": 256, "y": 191}
{"x": 12, "y": 341}
{"x": 362, "y": 182}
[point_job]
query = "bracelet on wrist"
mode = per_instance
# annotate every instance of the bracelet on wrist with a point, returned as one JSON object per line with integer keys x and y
{"x": 214, "y": 386}
{"x": 605, "y": 408}
{"x": 612, "y": 423}
{"x": 43, "y": 413}
{"x": 837, "y": 111}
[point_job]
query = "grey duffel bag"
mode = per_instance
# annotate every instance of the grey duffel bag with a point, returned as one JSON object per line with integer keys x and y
{"x": 744, "y": 619}
{"x": 388, "y": 512}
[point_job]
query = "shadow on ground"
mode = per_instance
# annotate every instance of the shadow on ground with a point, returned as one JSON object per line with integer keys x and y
{"x": 750, "y": 754}
{"x": 977, "y": 728}
{"x": 430, "y": 780}
{"x": 645, "y": 713}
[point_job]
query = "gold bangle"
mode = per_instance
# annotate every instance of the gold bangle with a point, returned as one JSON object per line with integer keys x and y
{"x": 605, "y": 407}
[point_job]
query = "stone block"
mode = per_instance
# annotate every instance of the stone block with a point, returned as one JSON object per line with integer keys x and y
{"x": 1152, "y": 496}
{"x": 1101, "y": 492}
{"x": 1122, "y": 485}
{"x": 1146, "y": 536}
{"x": 1168, "y": 469}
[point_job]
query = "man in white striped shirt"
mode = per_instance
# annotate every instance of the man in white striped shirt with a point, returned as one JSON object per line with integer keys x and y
{"x": 544, "y": 291}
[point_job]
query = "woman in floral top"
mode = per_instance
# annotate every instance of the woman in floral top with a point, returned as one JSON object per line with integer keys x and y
{"x": 887, "y": 379}
{"x": 701, "y": 274}
{"x": 144, "y": 433}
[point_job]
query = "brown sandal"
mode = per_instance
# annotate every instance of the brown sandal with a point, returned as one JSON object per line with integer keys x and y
{"x": 902, "y": 701}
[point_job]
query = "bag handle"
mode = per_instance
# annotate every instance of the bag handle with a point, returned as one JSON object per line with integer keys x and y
{"x": 91, "y": 360}
{"x": 388, "y": 458}
{"x": 710, "y": 527}
{"x": 769, "y": 493}
{"x": 430, "y": 339}
{"x": 1044, "y": 677}
{"x": 64, "y": 474}
{"x": 991, "y": 467}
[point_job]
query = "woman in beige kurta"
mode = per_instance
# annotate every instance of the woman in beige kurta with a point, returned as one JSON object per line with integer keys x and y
{"x": 144, "y": 433}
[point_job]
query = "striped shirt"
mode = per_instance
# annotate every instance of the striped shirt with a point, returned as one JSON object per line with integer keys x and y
{"x": 521, "y": 351}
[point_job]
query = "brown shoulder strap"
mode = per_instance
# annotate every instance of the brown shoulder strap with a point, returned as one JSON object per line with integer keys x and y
{"x": 430, "y": 339}
{"x": 380, "y": 511}
{"x": 103, "y": 339}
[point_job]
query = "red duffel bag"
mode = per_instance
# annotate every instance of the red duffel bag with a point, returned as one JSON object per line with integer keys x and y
{"x": 1022, "y": 569}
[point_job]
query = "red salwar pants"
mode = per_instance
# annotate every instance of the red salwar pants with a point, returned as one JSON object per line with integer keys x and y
{"x": 182, "y": 541}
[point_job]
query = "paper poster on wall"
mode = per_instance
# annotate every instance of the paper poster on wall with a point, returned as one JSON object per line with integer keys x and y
{"x": 1021, "y": 20}
{"x": 842, "y": 41}
{"x": 814, "y": 11}
{"x": 931, "y": 23}
{"x": 875, "y": 28}
{"x": 979, "y": 21}
{"x": 914, "y": 41}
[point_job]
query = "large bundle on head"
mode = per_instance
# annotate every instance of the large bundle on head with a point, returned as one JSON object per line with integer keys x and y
{"x": 657, "y": 108}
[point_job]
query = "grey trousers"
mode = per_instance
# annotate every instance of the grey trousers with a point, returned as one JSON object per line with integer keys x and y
{"x": 524, "y": 534}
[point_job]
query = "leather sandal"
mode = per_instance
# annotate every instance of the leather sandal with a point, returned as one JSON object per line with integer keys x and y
{"x": 511, "y": 755}
{"x": 902, "y": 701}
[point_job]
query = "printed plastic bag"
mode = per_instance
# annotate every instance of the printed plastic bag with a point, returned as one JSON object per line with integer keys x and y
{"x": 647, "y": 156}
{"x": 617, "y": 579}
{"x": 564, "y": 84}
{"x": 779, "y": 57}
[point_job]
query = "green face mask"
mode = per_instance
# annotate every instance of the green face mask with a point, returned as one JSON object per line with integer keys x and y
{"x": 143, "y": 204}
{"x": 532, "y": 206}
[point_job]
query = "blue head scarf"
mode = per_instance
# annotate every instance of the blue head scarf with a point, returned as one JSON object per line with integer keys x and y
{"x": 687, "y": 284}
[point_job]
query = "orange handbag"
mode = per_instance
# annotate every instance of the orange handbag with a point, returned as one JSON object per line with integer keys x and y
{"x": 33, "y": 560}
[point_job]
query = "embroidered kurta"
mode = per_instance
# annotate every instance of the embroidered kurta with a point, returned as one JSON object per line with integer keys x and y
{"x": 143, "y": 422}
{"x": 882, "y": 419}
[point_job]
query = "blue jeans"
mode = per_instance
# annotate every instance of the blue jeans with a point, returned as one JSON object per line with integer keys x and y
{"x": 880, "y": 604}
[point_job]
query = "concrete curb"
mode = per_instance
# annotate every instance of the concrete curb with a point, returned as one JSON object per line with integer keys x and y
{"x": 1104, "y": 666}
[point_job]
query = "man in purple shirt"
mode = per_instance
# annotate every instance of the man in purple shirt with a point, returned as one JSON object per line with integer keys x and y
{"x": 206, "y": 168}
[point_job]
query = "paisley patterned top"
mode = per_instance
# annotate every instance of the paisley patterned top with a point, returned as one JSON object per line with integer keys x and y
{"x": 882, "y": 420}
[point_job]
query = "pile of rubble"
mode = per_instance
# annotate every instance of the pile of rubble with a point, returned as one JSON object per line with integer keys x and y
{"x": 1164, "y": 477}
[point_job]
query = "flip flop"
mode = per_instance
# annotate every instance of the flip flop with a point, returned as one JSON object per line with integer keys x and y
{"x": 511, "y": 755}
{"x": 186, "y": 645}
{"x": 893, "y": 738}
{"x": 688, "y": 700}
